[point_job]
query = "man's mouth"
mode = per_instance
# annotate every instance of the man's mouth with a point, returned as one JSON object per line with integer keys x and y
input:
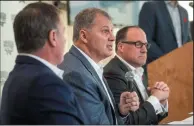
{"x": 109, "y": 47}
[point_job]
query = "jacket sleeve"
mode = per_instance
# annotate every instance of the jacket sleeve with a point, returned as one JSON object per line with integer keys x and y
{"x": 145, "y": 115}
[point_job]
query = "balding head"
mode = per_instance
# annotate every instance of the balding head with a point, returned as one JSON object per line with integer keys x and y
{"x": 131, "y": 45}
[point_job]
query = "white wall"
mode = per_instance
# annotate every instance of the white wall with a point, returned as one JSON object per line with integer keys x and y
{"x": 8, "y": 48}
{"x": 7, "y": 43}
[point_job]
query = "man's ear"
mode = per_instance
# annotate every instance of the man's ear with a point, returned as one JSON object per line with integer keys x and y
{"x": 52, "y": 38}
{"x": 120, "y": 47}
{"x": 83, "y": 35}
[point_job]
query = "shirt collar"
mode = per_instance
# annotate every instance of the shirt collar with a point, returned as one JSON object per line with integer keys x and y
{"x": 171, "y": 3}
{"x": 139, "y": 71}
{"x": 55, "y": 69}
{"x": 97, "y": 67}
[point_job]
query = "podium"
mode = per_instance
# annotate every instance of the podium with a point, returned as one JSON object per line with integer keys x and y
{"x": 175, "y": 69}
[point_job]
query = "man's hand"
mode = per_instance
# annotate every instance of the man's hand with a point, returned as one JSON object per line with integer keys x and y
{"x": 161, "y": 86}
{"x": 128, "y": 102}
{"x": 161, "y": 91}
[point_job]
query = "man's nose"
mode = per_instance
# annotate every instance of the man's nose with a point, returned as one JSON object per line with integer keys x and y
{"x": 144, "y": 49}
{"x": 111, "y": 37}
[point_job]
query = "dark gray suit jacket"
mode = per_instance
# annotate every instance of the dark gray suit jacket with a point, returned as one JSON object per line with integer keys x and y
{"x": 155, "y": 20}
{"x": 114, "y": 72}
{"x": 88, "y": 88}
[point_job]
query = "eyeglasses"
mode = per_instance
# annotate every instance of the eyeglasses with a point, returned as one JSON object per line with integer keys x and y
{"x": 138, "y": 44}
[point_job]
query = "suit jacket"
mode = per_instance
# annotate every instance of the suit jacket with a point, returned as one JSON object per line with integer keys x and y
{"x": 155, "y": 20}
{"x": 88, "y": 87}
{"x": 114, "y": 72}
{"x": 34, "y": 95}
{"x": 191, "y": 29}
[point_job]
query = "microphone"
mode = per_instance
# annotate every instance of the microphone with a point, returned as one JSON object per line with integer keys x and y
{"x": 129, "y": 77}
{"x": 191, "y": 4}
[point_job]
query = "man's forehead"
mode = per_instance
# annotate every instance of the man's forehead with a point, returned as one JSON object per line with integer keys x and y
{"x": 136, "y": 34}
{"x": 105, "y": 25}
{"x": 136, "y": 31}
{"x": 103, "y": 21}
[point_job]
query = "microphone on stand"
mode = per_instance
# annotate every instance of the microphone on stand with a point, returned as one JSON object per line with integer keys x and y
{"x": 130, "y": 78}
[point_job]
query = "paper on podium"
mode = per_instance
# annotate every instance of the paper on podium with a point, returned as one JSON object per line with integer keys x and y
{"x": 185, "y": 121}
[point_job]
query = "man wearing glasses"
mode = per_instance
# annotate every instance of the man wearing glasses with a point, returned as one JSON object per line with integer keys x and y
{"x": 125, "y": 73}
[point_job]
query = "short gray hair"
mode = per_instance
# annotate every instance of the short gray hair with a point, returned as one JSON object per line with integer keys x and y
{"x": 85, "y": 18}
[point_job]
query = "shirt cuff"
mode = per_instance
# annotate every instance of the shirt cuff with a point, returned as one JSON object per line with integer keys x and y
{"x": 165, "y": 107}
{"x": 156, "y": 104}
{"x": 123, "y": 117}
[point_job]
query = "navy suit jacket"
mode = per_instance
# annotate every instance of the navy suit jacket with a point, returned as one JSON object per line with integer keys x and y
{"x": 89, "y": 89}
{"x": 33, "y": 94}
{"x": 155, "y": 20}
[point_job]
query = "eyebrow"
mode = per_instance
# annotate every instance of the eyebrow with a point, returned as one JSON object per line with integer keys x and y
{"x": 107, "y": 27}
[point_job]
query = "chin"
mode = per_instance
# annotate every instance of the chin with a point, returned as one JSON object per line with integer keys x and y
{"x": 110, "y": 54}
{"x": 141, "y": 64}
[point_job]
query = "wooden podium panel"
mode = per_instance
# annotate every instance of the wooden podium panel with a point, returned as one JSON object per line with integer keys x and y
{"x": 175, "y": 69}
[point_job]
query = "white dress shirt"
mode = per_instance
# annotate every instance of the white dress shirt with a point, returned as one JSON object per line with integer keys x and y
{"x": 138, "y": 73}
{"x": 55, "y": 69}
{"x": 176, "y": 21}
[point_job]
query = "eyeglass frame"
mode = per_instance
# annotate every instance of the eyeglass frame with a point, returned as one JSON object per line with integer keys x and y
{"x": 147, "y": 45}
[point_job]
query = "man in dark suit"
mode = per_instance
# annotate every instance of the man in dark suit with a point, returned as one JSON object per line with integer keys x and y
{"x": 34, "y": 93}
{"x": 166, "y": 26}
{"x": 124, "y": 73}
{"x": 93, "y": 41}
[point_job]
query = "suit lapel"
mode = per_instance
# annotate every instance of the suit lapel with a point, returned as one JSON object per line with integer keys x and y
{"x": 112, "y": 98}
{"x": 145, "y": 83}
{"x": 109, "y": 91}
{"x": 181, "y": 20}
{"x": 125, "y": 69}
{"x": 85, "y": 62}
{"x": 137, "y": 88}
{"x": 167, "y": 16}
